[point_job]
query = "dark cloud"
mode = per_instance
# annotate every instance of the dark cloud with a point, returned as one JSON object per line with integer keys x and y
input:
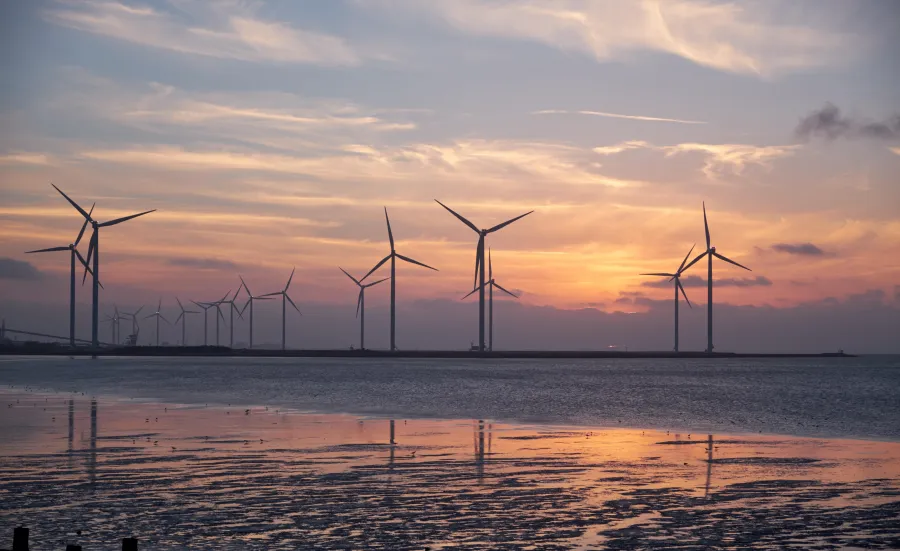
{"x": 203, "y": 263}
{"x": 11, "y": 268}
{"x": 803, "y": 249}
{"x": 829, "y": 123}
{"x": 697, "y": 281}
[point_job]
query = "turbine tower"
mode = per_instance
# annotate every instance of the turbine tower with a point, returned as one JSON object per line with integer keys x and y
{"x": 677, "y": 278}
{"x": 206, "y": 306}
{"x": 709, "y": 253}
{"x": 94, "y": 249}
{"x": 479, "y": 284}
{"x": 73, "y": 254}
{"x": 158, "y": 315}
{"x": 183, "y": 318}
{"x": 250, "y": 300}
{"x": 361, "y": 306}
{"x": 231, "y": 308}
{"x": 219, "y": 315}
{"x": 491, "y": 283}
{"x": 284, "y": 300}
{"x": 393, "y": 258}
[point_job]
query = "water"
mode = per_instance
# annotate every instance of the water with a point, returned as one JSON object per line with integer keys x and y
{"x": 853, "y": 398}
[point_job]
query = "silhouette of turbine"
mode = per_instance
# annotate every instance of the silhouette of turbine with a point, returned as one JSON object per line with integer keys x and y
{"x": 479, "y": 284}
{"x": 361, "y": 305}
{"x": 393, "y": 256}
{"x": 491, "y": 283}
{"x": 250, "y": 300}
{"x": 158, "y": 315}
{"x": 710, "y": 252}
{"x": 284, "y": 300}
{"x": 677, "y": 278}
{"x": 183, "y": 318}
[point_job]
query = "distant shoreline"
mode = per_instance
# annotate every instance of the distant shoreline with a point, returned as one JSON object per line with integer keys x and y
{"x": 221, "y": 351}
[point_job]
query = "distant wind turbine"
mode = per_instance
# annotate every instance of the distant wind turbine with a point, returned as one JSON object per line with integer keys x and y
{"x": 135, "y": 323}
{"x": 206, "y": 306}
{"x": 94, "y": 249}
{"x": 218, "y": 305}
{"x": 709, "y": 253}
{"x": 182, "y": 317}
{"x": 677, "y": 278}
{"x": 284, "y": 300}
{"x": 73, "y": 254}
{"x": 479, "y": 284}
{"x": 158, "y": 315}
{"x": 491, "y": 283}
{"x": 361, "y": 306}
{"x": 231, "y": 308}
{"x": 250, "y": 300}
{"x": 393, "y": 256}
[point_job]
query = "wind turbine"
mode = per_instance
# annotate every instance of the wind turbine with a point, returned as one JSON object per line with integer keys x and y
{"x": 677, "y": 278}
{"x": 94, "y": 249}
{"x": 231, "y": 308}
{"x": 479, "y": 284}
{"x": 491, "y": 283}
{"x": 709, "y": 253}
{"x": 158, "y": 315}
{"x": 284, "y": 300}
{"x": 206, "y": 306}
{"x": 135, "y": 324}
{"x": 219, "y": 315}
{"x": 250, "y": 300}
{"x": 73, "y": 254}
{"x": 361, "y": 306}
{"x": 393, "y": 258}
{"x": 183, "y": 318}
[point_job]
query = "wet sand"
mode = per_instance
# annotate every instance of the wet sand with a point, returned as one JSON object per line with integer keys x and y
{"x": 251, "y": 477}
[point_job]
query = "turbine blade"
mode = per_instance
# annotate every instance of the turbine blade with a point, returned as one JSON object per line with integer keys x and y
{"x": 292, "y": 304}
{"x": 93, "y": 243}
{"x": 159, "y": 306}
{"x": 249, "y": 294}
{"x": 478, "y": 250}
{"x": 490, "y": 265}
{"x": 692, "y": 262}
{"x": 138, "y": 311}
{"x": 124, "y": 219}
{"x": 241, "y": 311}
{"x": 348, "y": 275}
{"x": 661, "y": 274}
{"x": 162, "y": 317}
{"x": 408, "y": 259}
{"x": 289, "y": 280}
{"x": 198, "y": 304}
{"x": 681, "y": 268}
{"x": 461, "y": 218}
{"x": 84, "y": 263}
{"x": 148, "y": 317}
{"x": 359, "y": 301}
{"x": 179, "y": 305}
{"x": 497, "y": 285}
{"x": 84, "y": 226}
{"x": 680, "y": 286}
{"x": 390, "y": 233}
{"x": 50, "y": 250}
{"x": 379, "y": 265}
{"x": 219, "y": 310}
{"x": 508, "y": 222}
{"x": 271, "y": 294}
{"x": 717, "y": 255}
{"x": 473, "y": 291}
{"x": 705, "y": 225}
{"x": 376, "y": 282}
{"x": 181, "y": 315}
{"x": 73, "y": 203}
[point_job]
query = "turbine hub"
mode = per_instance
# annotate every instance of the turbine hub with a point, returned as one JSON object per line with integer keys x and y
{"x": 712, "y": 249}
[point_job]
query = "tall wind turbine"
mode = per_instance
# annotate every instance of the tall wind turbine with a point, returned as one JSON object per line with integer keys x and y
{"x": 158, "y": 315}
{"x": 250, "y": 300}
{"x": 183, "y": 318}
{"x": 94, "y": 249}
{"x": 677, "y": 278}
{"x": 73, "y": 254}
{"x": 284, "y": 300}
{"x": 709, "y": 253}
{"x": 231, "y": 308}
{"x": 393, "y": 258}
{"x": 218, "y": 305}
{"x": 479, "y": 284}
{"x": 361, "y": 306}
{"x": 135, "y": 323}
{"x": 491, "y": 283}
{"x": 206, "y": 306}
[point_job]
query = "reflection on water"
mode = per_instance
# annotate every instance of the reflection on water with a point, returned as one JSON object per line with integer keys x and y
{"x": 239, "y": 478}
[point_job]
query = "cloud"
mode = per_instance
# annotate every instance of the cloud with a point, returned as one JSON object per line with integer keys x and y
{"x": 25, "y": 158}
{"x": 621, "y": 147}
{"x": 697, "y": 281}
{"x": 753, "y": 38}
{"x": 895, "y": 150}
{"x": 830, "y": 124}
{"x": 224, "y": 30}
{"x": 203, "y": 263}
{"x": 614, "y": 116}
{"x": 802, "y": 249}
{"x": 11, "y": 268}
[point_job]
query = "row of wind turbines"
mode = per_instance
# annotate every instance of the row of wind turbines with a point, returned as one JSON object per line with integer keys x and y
{"x": 483, "y": 285}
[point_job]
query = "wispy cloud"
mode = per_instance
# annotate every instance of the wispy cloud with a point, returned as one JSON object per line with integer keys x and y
{"x": 801, "y": 249}
{"x": 697, "y": 281}
{"x": 25, "y": 158}
{"x": 203, "y": 263}
{"x": 222, "y": 29}
{"x": 741, "y": 38}
{"x": 614, "y": 116}
{"x": 621, "y": 147}
{"x": 829, "y": 123}
{"x": 895, "y": 150}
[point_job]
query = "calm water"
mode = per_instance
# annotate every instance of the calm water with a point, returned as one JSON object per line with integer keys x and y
{"x": 857, "y": 397}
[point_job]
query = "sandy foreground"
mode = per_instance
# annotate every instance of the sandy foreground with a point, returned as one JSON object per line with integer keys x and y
{"x": 240, "y": 477}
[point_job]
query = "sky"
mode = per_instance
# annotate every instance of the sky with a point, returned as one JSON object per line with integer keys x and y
{"x": 271, "y": 136}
